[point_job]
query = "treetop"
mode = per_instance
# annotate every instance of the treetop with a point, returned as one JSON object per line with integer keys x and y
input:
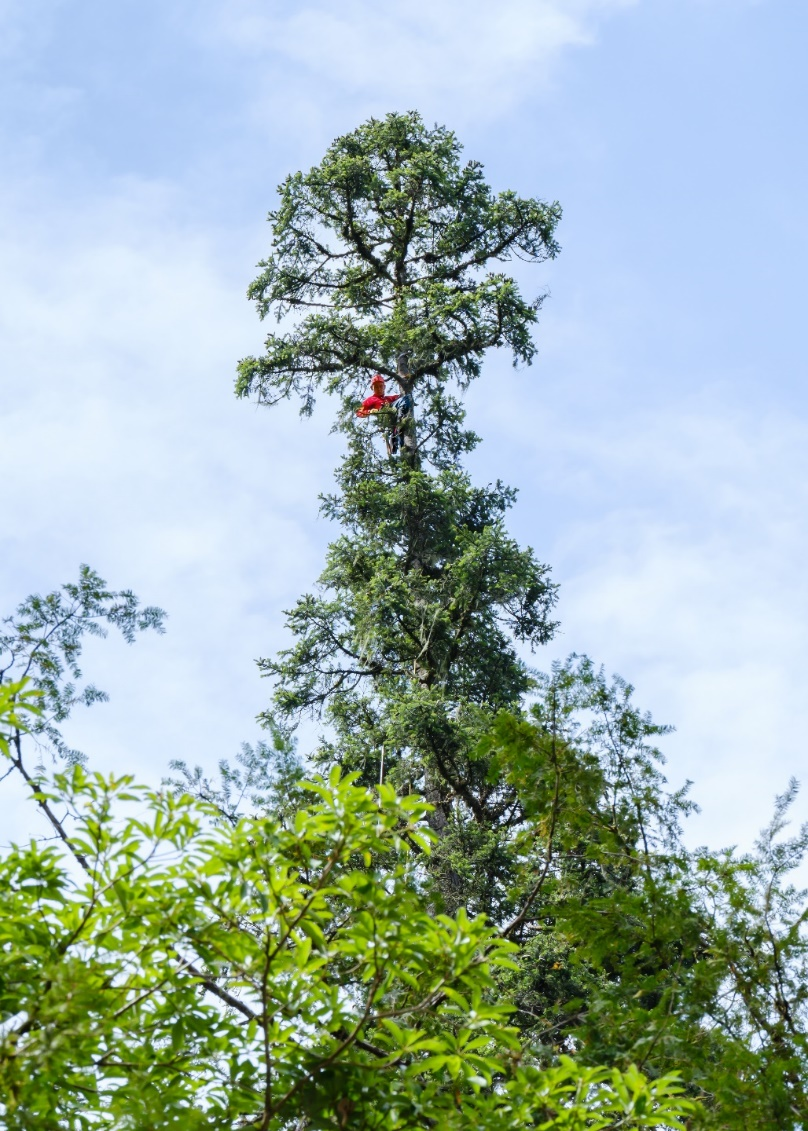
{"x": 392, "y": 245}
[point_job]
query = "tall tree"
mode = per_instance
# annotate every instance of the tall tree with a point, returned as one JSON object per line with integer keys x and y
{"x": 389, "y": 257}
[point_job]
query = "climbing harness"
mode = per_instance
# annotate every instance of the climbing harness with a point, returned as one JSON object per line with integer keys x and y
{"x": 403, "y": 412}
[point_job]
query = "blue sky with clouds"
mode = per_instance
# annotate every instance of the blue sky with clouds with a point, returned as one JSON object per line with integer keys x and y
{"x": 661, "y": 463}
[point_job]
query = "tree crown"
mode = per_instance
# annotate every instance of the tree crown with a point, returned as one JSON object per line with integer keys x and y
{"x": 388, "y": 247}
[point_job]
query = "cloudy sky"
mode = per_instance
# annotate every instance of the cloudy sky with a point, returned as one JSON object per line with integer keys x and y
{"x": 660, "y": 441}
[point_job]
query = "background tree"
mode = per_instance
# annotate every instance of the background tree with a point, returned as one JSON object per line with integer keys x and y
{"x": 387, "y": 248}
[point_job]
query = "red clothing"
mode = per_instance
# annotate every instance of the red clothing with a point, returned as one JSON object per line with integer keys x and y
{"x": 374, "y": 403}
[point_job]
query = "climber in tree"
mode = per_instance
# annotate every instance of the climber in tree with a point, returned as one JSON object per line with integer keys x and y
{"x": 377, "y": 402}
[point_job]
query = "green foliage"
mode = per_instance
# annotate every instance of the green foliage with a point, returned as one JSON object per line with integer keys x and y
{"x": 759, "y": 946}
{"x": 599, "y": 889}
{"x": 632, "y": 949}
{"x": 19, "y": 707}
{"x": 141, "y": 995}
{"x": 203, "y": 973}
{"x": 410, "y": 644}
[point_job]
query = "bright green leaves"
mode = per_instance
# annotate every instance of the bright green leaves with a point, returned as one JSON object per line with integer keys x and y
{"x": 207, "y": 974}
{"x": 611, "y": 929}
{"x": 384, "y": 248}
{"x": 19, "y": 709}
{"x": 634, "y": 948}
{"x": 575, "y": 1098}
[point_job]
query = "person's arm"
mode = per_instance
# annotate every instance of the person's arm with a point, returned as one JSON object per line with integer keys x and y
{"x": 370, "y": 404}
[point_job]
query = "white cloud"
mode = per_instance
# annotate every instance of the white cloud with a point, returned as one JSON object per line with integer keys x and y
{"x": 124, "y": 446}
{"x": 679, "y": 537}
{"x": 469, "y": 57}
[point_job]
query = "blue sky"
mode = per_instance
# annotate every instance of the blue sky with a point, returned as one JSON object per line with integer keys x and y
{"x": 659, "y": 442}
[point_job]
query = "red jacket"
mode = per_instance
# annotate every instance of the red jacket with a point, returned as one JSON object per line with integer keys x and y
{"x": 374, "y": 403}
